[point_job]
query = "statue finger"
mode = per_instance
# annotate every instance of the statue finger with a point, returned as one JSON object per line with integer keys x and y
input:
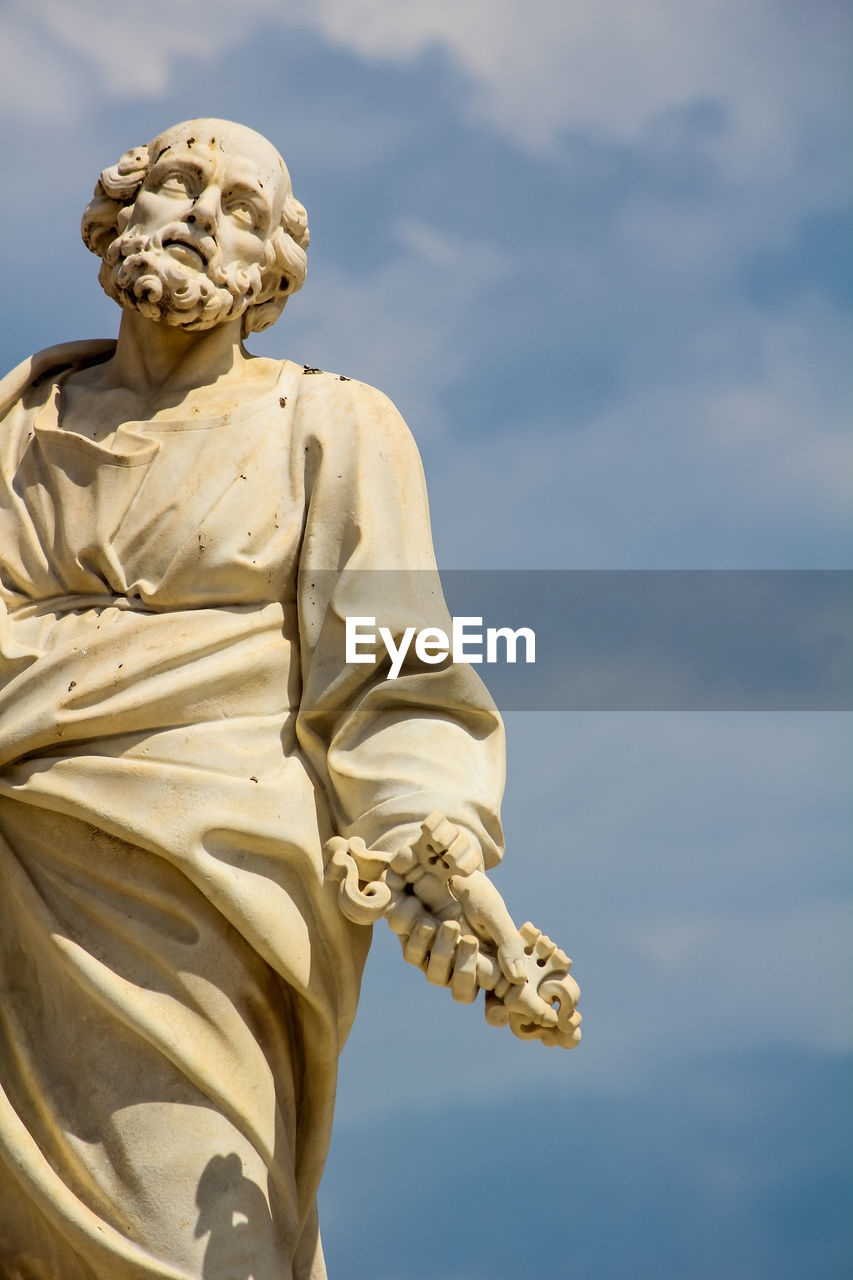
{"x": 442, "y": 953}
{"x": 416, "y": 948}
{"x": 497, "y": 1014}
{"x": 463, "y": 984}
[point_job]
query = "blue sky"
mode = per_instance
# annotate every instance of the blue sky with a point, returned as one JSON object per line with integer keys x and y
{"x": 599, "y": 256}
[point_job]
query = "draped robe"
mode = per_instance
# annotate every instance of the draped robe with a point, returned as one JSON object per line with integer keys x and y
{"x": 179, "y": 735}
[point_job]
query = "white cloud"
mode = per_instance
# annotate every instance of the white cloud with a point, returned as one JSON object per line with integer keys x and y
{"x": 742, "y": 446}
{"x": 732, "y": 422}
{"x": 605, "y": 65}
{"x": 732, "y": 425}
{"x": 537, "y": 70}
{"x": 37, "y": 80}
{"x": 123, "y": 51}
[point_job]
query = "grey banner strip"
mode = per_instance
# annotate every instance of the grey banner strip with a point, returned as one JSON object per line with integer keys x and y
{"x": 650, "y": 640}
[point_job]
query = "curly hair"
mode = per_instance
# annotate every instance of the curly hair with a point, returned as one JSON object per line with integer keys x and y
{"x": 109, "y": 211}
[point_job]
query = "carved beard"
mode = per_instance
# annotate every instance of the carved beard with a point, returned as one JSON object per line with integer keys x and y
{"x": 138, "y": 272}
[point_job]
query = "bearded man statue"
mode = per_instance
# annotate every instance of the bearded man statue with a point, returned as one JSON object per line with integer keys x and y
{"x": 203, "y": 804}
{"x": 183, "y": 530}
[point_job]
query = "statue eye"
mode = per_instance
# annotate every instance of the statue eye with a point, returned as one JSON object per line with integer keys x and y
{"x": 242, "y": 211}
{"x": 175, "y": 184}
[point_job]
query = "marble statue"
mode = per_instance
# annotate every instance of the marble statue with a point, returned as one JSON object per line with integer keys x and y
{"x": 203, "y": 807}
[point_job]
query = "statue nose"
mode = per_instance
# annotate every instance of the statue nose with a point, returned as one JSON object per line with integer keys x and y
{"x": 203, "y": 213}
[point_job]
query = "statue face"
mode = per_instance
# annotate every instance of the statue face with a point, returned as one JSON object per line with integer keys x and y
{"x": 196, "y": 240}
{"x": 211, "y": 189}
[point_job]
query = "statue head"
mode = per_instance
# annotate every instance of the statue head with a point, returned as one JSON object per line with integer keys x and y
{"x": 199, "y": 227}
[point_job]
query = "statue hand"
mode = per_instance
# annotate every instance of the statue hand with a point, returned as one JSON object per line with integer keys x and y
{"x": 454, "y": 926}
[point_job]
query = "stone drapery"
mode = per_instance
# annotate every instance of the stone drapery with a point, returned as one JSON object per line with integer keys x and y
{"x": 179, "y": 734}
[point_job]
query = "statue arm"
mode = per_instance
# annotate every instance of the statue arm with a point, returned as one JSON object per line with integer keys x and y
{"x": 412, "y": 767}
{"x": 385, "y": 751}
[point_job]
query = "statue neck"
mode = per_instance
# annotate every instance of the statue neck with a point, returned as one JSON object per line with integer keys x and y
{"x": 155, "y": 360}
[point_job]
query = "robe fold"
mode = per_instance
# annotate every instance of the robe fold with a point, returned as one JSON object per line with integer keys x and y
{"x": 179, "y": 734}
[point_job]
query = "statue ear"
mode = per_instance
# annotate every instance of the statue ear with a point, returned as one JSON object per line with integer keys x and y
{"x": 295, "y": 221}
{"x": 113, "y": 200}
{"x": 260, "y": 315}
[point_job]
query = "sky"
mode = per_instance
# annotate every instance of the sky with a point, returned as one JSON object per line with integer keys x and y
{"x": 599, "y": 256}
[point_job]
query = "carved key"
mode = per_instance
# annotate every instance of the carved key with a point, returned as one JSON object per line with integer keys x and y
{"x": 454, "y": 925}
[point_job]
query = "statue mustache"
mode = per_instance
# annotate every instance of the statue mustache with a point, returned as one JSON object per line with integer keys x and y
{"x": 207, "y": 247}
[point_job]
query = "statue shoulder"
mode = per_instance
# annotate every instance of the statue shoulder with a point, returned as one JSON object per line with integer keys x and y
{"x": 341, "y": 412}
{"x": 49, "y": 362}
